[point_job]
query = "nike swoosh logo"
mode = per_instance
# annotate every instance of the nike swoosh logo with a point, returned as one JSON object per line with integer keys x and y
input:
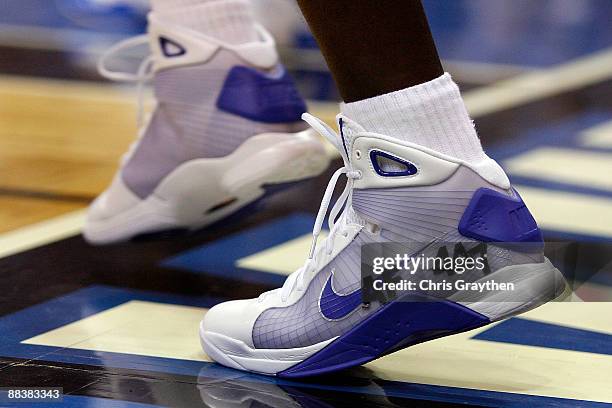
{"x": 334, "y": 306}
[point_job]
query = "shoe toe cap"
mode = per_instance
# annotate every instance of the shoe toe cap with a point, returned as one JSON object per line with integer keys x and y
{"x": 234, "y": 319}
{"x": 109, "y": 214}
{"x": 115, "y": 200}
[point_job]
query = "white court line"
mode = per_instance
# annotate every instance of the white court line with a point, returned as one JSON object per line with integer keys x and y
{"x": 501, "y": 95}
{"x": 572, "y": 212}
{"x": 133, "y": 328}
{"x": 561, "y": 165}
{"x": 526, "y": 88}
{"x": 281, "y": 259}
{"x": 598, "y": 136}
{"x": 484, "y": 73}
{"x": 42, "y": 233}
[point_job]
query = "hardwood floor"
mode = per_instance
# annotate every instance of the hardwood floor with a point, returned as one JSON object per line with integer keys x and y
{"x": 59, "y": 145}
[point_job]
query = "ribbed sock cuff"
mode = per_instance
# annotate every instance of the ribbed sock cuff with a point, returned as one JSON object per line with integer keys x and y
{"x": 431, "y": 114}
{"x": 231, "y": 21}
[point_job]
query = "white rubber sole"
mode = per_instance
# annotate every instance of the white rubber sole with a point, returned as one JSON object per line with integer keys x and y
{"x": 535, "y": 285}
{"x": 236, "y": 354}
{"x": 203, "y": 191}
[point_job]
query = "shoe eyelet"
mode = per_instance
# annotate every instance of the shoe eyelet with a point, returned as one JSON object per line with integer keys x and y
{"x": 358, "y": 154}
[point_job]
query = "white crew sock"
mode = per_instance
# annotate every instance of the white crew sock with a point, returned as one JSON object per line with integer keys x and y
{"x": 231, "y": 21}
{"x": 432, "y": 115}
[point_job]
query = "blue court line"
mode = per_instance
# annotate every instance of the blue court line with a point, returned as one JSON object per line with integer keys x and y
{"x": 387, "y": 388}
{"x": 559, "y": 186}
{"x": 86, "y": 302}
{"x": 463, "y": 30}
{"x": 558, "y": 235}
{"x": 78, "y": 305}
{"x": 219, "y": 257}
{"x": 532, "y": 333}
{"x": 603, "y": 277}
{"x": 83, "y": 401}
{"x": 563, "y": 133}
{"x": 73, "y": 15}
{"x": 457, "y": 26}
{"x": 480, "y": 397}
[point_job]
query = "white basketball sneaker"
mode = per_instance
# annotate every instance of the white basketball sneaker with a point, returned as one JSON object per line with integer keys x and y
{"x": 226, "y": 125}
{"x": 399, "y": 193}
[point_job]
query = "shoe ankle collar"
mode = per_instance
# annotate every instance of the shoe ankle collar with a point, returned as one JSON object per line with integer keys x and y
{"x": 175, "y": 46}
{"x": 432, "y": 167}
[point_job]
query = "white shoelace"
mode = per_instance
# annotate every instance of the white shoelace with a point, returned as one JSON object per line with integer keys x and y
{"x": 297, "y": 279}
{"x": 140, "y": 77}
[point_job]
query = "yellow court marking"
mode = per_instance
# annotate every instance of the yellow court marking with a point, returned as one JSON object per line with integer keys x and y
{"x": 569, "y": 212}
{"x": 134, "y": 328}
{"x": 593, "y": 316}
{"x": 569, "y": 166}
{"x": 458, "y": 361}
{"x": 281, "y": 259}
{"x": 42, "y": 233}
{"x": 532, "y": 86}
{"x": 20, "y": 209}
{"x": 598, "y": 136}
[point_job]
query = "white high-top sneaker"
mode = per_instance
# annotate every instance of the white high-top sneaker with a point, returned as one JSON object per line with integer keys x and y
{"x": 226, "y": 125}
{"x": 414, "y": 198}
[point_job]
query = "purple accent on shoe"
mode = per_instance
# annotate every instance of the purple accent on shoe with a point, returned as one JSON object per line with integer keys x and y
{"x": 495, "y": 217}
{"x": 251, "y": 94}
{"x": 166, "y": 45}
{"x": 410, "y": 169}
{"x": 396, "y": 325}
{"x": 334, "y": 306}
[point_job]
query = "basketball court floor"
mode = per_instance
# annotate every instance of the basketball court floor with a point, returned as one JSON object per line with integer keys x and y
{"x": 118, "y": 325}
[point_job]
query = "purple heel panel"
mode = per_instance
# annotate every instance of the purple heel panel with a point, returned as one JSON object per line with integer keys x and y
{"x": 254, "y": 95}
{"x": 494, "y": 217}
{"x": 397, "y": 325}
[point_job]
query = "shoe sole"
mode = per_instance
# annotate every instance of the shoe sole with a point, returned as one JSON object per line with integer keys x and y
{"x": 400, "y": 324}
{"x": 201, "y": 192}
